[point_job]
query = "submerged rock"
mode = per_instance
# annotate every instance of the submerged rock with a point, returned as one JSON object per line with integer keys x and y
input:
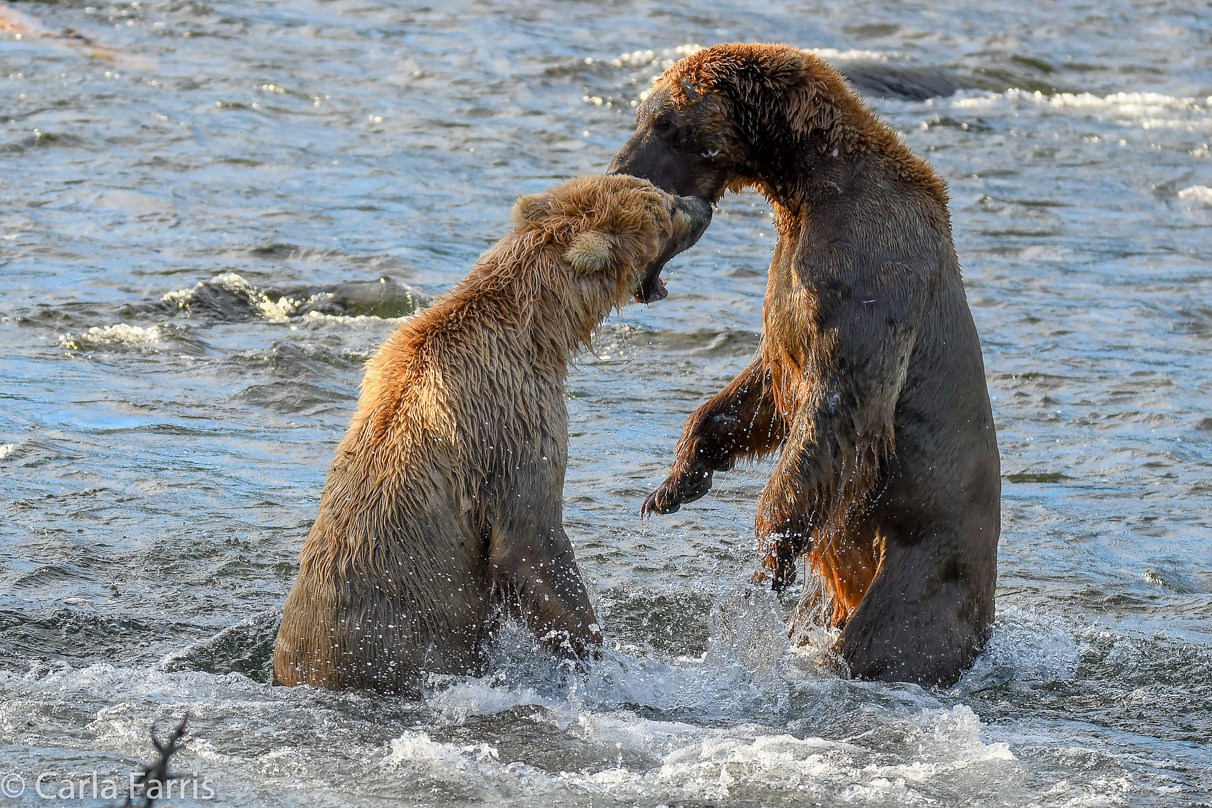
{"x": 230, "y": 297}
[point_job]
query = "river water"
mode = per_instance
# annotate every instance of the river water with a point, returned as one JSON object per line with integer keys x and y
{"x": 212, "y": 214}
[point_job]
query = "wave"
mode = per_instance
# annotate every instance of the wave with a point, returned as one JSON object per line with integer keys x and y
{"x": 731, "y": 725}
{"x": 247, "y": 648}
{"x": 666, "y": 761}
{"x": 1026, "y": 648}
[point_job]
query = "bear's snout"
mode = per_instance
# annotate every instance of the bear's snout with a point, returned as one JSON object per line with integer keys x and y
{"x": 691, "y": 216}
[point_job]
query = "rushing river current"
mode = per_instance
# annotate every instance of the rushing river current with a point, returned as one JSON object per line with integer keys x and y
{"x": 213, "y": 211}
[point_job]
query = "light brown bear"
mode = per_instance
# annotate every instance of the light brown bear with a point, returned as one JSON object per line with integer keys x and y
{"x": 443, "y": 504}
{"x": 870, "y": 377}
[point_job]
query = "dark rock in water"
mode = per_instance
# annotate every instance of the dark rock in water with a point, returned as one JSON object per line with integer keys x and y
{"x": 378, "y": 298}
{"x": 895, "y": 81}
{"x": 247, "y": 648}
{"x": 230, "y": 297}
{"x": 221, "y": 297}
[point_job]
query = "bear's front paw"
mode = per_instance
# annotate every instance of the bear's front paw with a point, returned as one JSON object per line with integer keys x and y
{"x": 678, "y": 488}
{"x": 779, "y": 555}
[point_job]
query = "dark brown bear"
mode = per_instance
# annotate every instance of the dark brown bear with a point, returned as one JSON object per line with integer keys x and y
{"x": 444, "y": 502}
{"x": 870, "y": 375}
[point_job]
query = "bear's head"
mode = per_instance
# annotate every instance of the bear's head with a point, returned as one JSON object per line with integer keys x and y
{"x": 736, "y": 115}
{"x": 614, "y": 233}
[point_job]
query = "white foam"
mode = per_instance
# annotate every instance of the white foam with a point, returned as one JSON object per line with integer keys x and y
{"x": 471, "y": 770}
{"x": 6, "y": 449}
{"x": 1146, "y": 110}
{"x": 1128, "y": 101}
{"x": 118, "y": 335}
{"x": 719, "y": 684}
{"x": 1124, "y": 101}
{"x": 851, "y": 55}
{"x": 1197, "y": 193}
{"x": 414, "y": 747}
{"x": 470, "y": 697}
{"x": 908, "y": 752}
{"x": 698, "y": 763}
{"x": 628, "y": 731}
{"x": 663, "y": 58}
{"x": 667, "y": 56}
{"x": 686, "y": 761}
{"x": 916, "y": 743}
{"x": 747, "y": 667}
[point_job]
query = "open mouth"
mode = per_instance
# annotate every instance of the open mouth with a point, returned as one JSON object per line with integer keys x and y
{"x": 692, "y": 215}
{"x": 651, "y": 289}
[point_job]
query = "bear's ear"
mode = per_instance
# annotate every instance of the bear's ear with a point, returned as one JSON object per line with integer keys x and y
{"x": 590, "y": 252}
{"x": 530, "y": 209}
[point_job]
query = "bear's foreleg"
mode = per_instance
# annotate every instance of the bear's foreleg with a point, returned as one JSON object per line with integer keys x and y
{"x": 844, "y": 432}
{"x": 740, "y": 421}
{"x": 833, "y": 459}
{"x": 794, "y": 504}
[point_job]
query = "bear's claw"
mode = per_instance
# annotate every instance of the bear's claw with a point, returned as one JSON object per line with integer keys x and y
{"x": 668, "y": 498}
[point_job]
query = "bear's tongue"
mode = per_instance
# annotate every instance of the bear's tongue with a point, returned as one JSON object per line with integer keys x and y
{"x": 659, "y": 292}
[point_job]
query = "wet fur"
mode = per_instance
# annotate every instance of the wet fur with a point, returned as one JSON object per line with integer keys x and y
{"x": 870, "y": 377}
{"x": 444, "y": 500}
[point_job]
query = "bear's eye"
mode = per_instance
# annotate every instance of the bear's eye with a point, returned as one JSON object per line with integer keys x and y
{"x": 663, "y": 123}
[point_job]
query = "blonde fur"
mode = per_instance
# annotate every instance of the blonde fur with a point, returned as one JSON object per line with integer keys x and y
{"x": 444, "y": 499}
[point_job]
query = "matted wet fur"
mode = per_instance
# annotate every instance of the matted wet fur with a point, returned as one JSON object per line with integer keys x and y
{"x": 444, "y": 501}
{"x": 869, "y": 378}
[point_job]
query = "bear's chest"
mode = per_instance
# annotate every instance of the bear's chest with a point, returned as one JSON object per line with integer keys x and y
{"x": 796, "y": 295}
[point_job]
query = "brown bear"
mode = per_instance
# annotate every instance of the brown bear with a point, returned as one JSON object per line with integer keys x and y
{"x": 443, "y": 505}
{"x": 869, "y": 377}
